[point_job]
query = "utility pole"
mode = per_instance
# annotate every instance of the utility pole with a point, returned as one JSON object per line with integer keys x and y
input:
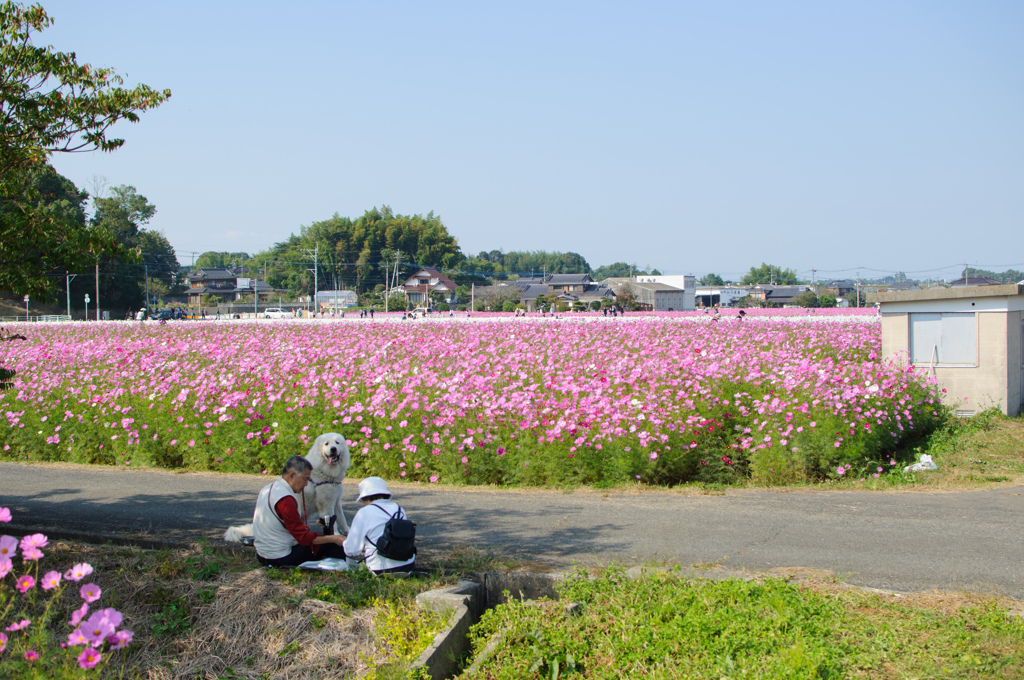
{"x": 858, "y": 286}
{"x": 69, "y": 277}
{"x": 472, "y": 298}
{"x": 316, "y": 272}
{"x": 147, "y": 285}
{"x": 97, "y": 291}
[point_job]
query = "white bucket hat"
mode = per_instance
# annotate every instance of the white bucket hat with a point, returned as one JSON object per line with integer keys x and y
{"x": 373, "y": 486}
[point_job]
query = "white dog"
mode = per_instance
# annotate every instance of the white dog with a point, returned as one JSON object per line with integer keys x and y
{"x": 329, "y": 457}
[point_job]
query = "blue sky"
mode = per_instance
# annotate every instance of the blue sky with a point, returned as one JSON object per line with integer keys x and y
{"x": 688, "y": 136}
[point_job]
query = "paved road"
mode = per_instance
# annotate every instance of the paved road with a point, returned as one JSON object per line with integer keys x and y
{"x": 907, "y": 541}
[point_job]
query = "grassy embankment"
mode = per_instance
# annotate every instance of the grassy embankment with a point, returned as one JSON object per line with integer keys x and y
{"x": 201, "y": 613}
{"x": 664, "y": 626}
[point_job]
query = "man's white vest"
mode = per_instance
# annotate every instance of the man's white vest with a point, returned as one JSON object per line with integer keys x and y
{"x": 272, "y": 540}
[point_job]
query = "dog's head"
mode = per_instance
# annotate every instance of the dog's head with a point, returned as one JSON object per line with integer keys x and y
{"x": 331, "y": 446}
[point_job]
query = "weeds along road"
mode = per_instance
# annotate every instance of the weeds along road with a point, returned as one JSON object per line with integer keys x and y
{"x": 906, "y": 541}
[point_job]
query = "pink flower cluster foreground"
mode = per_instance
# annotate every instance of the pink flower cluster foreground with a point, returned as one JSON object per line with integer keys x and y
{"x": 535, "y": 401}
{"x": 101, "y": 628}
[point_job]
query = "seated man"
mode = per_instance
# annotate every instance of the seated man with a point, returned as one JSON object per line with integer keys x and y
{"x": 368, "y": 526}
{"x": 282, "y": 538}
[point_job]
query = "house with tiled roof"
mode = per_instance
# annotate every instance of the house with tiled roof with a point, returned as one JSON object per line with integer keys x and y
{"x": 426, "y": 282}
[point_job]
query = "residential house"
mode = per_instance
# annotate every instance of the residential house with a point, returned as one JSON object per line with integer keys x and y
{"x": 974, "y": 281}
{"x": 426, "y": 282}
{"x": 225, "y": 284}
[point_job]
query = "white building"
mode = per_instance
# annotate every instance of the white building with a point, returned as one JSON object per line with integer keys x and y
{"x": 724, "y": 296}
{"x": 686, "y": 283}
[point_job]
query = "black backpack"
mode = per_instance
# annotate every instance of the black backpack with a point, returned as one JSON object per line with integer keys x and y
{"x": 398, "y": 542}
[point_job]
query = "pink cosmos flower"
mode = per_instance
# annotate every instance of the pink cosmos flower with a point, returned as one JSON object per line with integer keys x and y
{"x": 51, "y": 580}
{"x": 5, "y": 515}
{"x": 465, "y": 459}
{"x": 97, "y": 628}
{"x": 90, "y": 592}
{"x": 840, "y": 470}
{"x": 78, "y": 572}
{"x": 8, "y": 546}
{"x": 76, "y": 638}
{"x": 3, "y": 641}
{"x": 31, "y": 554}
{"x": 112, "y": 615}
{"x": 433, "y": 478}
{"x": 31, "y": 655}
{"x": 25, "y": 584}
{"x": 5, "y": 566}
{"x": 24, "y": 623}
{"x": 120, "y": 639}
{"x": 78, "y": 615}
{"x": 89, "y": 658}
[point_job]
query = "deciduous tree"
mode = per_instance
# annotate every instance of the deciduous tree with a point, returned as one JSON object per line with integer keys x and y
{"x": 49, "y": 103}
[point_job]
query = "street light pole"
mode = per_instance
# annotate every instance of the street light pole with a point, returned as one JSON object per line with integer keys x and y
{"x": 69, "y": 277}
{"x": 26, "y": 307}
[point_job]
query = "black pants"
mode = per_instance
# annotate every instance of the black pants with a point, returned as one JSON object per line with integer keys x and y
{"x": 301, "y": 553}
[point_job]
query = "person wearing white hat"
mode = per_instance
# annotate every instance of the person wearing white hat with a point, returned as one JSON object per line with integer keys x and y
{"x": 368, "y": 527}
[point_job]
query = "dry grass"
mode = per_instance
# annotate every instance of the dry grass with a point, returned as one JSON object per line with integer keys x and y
{"x": 238, "y": 623}
{"x": 982, "y": 451}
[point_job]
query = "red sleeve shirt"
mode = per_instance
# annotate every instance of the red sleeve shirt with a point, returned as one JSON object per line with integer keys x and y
{"x": 288, "y": 510}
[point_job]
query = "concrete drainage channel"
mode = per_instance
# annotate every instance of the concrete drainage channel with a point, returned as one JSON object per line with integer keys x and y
{"x": 469, "y": 600}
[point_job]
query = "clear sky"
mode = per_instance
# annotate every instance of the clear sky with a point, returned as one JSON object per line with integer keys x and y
{"x": 693, "y": 137}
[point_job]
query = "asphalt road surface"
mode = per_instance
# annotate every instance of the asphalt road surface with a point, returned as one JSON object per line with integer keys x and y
{"x": 907, "y": 541}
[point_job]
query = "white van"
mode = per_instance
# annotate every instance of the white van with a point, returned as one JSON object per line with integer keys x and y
{"x": 276, "y": 313}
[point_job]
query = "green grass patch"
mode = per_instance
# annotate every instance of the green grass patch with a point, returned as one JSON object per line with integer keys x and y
{"x": 666, "y": 626}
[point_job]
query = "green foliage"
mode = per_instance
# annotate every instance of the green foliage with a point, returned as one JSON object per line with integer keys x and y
{"x": 827, "y": 300}
{"x": 768, "y": 273}
{"x": 212, "y": 259}
{"x": 1008, "y": 276}
{"x": 360, "y": 254}
{"x": 617, "y": 269}
{"x": 807, "y": 299}
{"x": 173, "y": 616}
{"x": 663, "y": 625}
{"x": 712, "y": 280}
{"x": 51, "y": 104}
{"x": 403, "y": 631}
{"x": 122, "y": 280}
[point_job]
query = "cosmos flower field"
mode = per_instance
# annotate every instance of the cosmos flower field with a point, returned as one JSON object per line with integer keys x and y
{"x": 662, "y": 400}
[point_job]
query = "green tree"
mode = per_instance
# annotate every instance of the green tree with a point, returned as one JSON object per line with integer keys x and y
{"x": 827, "y": 300}
{"x": 768, "y": 273}
{"x": 122, "y": 216}
{"x": 807, "y": 299}
{"x": 213, "y": 259}
{"x": 712, "y": 280}
{"x": 49, "y": 103}
{"x": 616, "y": 270}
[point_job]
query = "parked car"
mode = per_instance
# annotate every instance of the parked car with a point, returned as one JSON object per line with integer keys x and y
{"x": 276, "y": 313}
{"x": 162, "y": 315}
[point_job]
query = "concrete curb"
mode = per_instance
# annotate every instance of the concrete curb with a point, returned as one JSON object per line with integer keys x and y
{"x": 441, "y": 659}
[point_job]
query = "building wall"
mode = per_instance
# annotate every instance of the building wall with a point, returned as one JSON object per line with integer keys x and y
{"x": 995, "y": 378}
{"x": 675, "y": 300}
